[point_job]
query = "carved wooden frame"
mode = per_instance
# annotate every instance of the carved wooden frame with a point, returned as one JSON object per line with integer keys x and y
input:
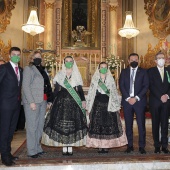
{"x": 6, "y": 13}
{"x": 159, "y": 25}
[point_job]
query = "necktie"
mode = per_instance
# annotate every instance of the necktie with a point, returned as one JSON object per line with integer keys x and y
{"x": 16, "y": 72}
{"x": 131, "y": 80}
{"x": 162, "y": 74}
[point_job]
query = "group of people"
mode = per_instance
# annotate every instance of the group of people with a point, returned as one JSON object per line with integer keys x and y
{"x": 65, "y": 124}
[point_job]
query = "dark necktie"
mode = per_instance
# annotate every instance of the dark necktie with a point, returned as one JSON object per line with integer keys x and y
{"x": 131, "y": 80}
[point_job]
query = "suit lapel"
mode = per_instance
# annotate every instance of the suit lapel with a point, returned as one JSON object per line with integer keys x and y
{"x": 12, "y": 72}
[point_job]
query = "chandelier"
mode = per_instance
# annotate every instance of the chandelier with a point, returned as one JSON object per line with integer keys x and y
{"x": 128, "y": 29}
{"x": 33, "y": 26}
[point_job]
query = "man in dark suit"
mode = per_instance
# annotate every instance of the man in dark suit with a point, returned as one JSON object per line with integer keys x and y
{"x": 159, "y": 103}
{"x": 133, "y": 85}
{"x": 10, "y": 101}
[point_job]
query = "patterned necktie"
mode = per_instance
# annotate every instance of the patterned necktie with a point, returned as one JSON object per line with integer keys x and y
{"x": 162, "y": 74}
{"x": 131, "y": 80}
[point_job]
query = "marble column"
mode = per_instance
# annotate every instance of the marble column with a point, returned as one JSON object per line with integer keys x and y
{"x": 49, "y": 24}
{"x": 113, "y": 26}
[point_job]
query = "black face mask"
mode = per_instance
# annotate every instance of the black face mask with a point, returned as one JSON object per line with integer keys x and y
{"x": 134, "y": 64}
{"x": 37, "y": 61}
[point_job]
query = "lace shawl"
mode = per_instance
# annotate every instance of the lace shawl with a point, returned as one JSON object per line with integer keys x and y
{"x": 76, "y": 78}
{"x": 114, "y": 99}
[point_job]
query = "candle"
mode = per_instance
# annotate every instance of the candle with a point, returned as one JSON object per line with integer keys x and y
{"x": 95, "y": 60}
{"x": 52, "y": 70}
{"x": 90, "y": 63}
{"x": 120, "y": 67}
{"x": 124, "y": 65}
{"x": 56, "y": 70}
{"x": 59, "y": 66}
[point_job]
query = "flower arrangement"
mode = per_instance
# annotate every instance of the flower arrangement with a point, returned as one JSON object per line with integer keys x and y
{"x": 114, "y": 62}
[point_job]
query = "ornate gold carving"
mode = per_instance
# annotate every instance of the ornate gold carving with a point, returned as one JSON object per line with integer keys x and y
{"x": 158, "y": 12}
{"x": 5, "y": 13}
{"x": 113, "y": 8}
{"x": 49, "y": 5}
{"x": 148, "y": 60}
{"x": 4, "y": 50}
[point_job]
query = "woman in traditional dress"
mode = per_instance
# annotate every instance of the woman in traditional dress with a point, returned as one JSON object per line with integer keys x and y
{"x": 103, "y": 105}
{"x": 66, "y": 124}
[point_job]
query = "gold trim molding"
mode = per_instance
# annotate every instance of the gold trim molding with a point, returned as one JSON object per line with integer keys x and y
{"x": 4, "y": 50}
{"x": 49, "y": 5}
{"x": 158, "y": 12}
{"x": 5, "y": 13}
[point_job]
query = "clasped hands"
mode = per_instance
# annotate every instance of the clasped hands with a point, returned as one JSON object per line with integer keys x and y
{"x": 132, "y": 100}
{"x": 33, "y": 106}
{"x": 164, "y": 98}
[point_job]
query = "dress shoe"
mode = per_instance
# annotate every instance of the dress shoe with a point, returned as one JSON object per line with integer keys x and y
{"x": 42, "y": 153}
{"x": 8, "y": 161}
{"x": 129, "y": 149}
{"x": 142, "y": 150}
{"x": 101, "y": 150}
{"x": 157, "y": 150}
{"x": 165, "y": 150}
{"x": 65, "y": 153}
{"x": 70, "y": 153}
{"x": 14, "y": 158}
{"x": 34, "y": 156}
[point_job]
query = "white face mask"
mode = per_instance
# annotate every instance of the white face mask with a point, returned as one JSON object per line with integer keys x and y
{"x": 161, "y": 62}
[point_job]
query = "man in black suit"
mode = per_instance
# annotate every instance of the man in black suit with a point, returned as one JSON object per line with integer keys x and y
{"x": 159, "y": 103}
{"x": 10, "y": 101}
{"x": 133, "y": 85}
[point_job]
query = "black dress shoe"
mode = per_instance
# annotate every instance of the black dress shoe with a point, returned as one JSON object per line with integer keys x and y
{"x": 65, "y": 153}
{"x": 34, "y": 156}
{"x": 142, "y": 150}
{"x": 157, "y": 150}
{"x": 70, "y": 153}
{"x": 8, "y": 161}
{"x": 165, "y": 150}
{"x": 129, "y": 149}
{"x": 42, "y": 153}
{"x": 101, "y": 150}
{"x": 14, "y": 158}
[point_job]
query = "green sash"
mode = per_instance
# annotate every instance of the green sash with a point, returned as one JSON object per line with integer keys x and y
{"x": 168, "y": 76}
{"x": 74, "y": 94}
{"x": 104, "y": 88}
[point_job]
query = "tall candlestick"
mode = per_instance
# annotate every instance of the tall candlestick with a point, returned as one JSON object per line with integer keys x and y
{"x": 56, "y": 68}
{"x": 120, "y": 67}
{"x": 52, "y": 70}
{"x": 95, "y": 60}
{"x": 90, "y": 63}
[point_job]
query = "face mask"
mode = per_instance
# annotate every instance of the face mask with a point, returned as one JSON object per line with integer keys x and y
{"x": 161, "y": 62}
{"x": 69, "y": 64}
{"x": 37, "y": 61}
{"x": 103, "y": 70}
{"x": 134, "y": 64}
{"x": 15, "y": 59}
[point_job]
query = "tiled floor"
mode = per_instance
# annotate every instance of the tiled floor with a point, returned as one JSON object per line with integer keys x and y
{"x": 122, "y": 162}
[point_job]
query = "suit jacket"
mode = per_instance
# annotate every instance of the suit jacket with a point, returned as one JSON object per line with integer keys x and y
{"x": 141, "y": 84}
{"x": 158, "y": 87}
{"x": 33, "y": 85}
{"x": 10, "y": 90}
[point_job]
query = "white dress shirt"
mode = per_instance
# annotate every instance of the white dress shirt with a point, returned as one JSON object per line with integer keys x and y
{"x": 13, "y": 66}
{"x": 132, "y": 94}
